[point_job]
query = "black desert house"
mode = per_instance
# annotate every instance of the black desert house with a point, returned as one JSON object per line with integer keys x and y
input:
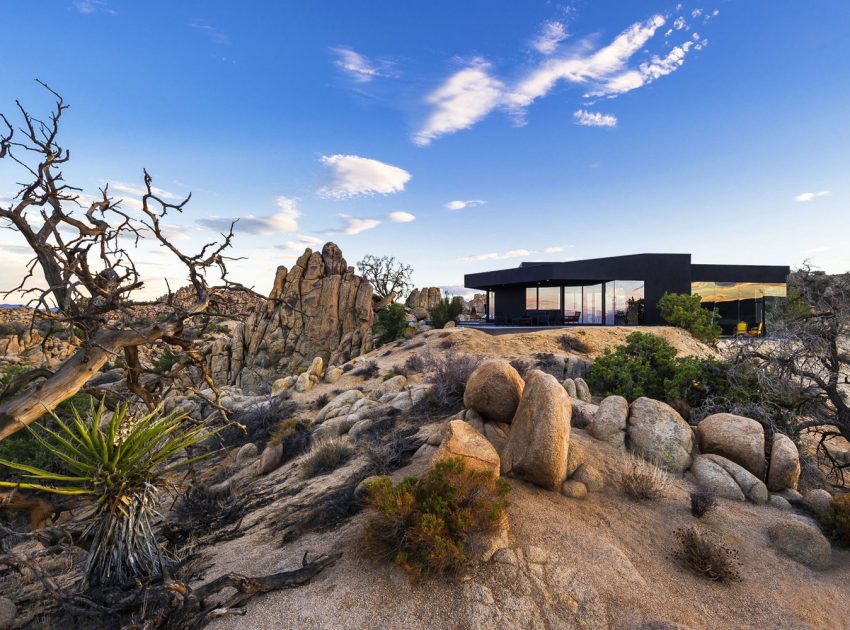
{"x": 624, "y": 290}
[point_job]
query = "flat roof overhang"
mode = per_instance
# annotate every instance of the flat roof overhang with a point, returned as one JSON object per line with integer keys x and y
{"x": 631, "y": 267}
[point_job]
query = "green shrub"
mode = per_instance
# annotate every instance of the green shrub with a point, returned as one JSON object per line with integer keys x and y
{"x": 837, "y": 520}
{"x": 705, "y": 554}
{"x": 118, "y": 470}
{"x": 390, "y": 323}
{"x": 646, "y": 365}
{"x": 166, "y": 360}
{"x": 686, "y": 311}
{"x": 424, "y": 525}
{"x": 445, "y": 311}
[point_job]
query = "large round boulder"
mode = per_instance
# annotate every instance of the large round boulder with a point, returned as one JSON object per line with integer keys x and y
{"x": 494, "y": 390}
{"x": 752, "y": 487}
{"x": 801, "y": 542}
{"x": 609, "y": 422}
{"x": 461, "y": 440}
{"x": 658, "y": 433}
{"x": 714, "y": 477}
{"x": 540, "y": 433}
{"x": 736, "y": 438}
{"x": 818, "y": 501}
{"x": 784, "y": 471}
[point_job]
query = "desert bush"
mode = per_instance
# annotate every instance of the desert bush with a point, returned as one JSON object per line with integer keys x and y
{"x": 388, "y": 448}
{"x": 644, "y": 481}
{"x": 571, "y": 343}
{"x": 646, "y": 365}
{"x": 391, "y": 374}
{"x": 368, "y": 370}
{"x": 521, "y": 366}
{"x": 12, "y": 328}
{"x": 837, "y": 520}
{"x": 217, "y": 327}
{"x": 445, "y": 311}
{"x": 414, "y": 364}
{"x": 165, "y": 361}
{"x": 327, "y": 455}
{"x": 119, "y": 471}
{"x": 705, "y": 554}
{"x": 321, "y": 400}
{"x": 685, "y": 311}
{"x": 424, "y": 525}
{"x": 390, "y": 323}
{"x": 703, "y": 500}
{"x": 448, "y": 373}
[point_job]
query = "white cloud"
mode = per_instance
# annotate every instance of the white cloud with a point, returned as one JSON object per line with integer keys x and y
{"x": 594, "y": 119}
{"x": 88, "y": 7}
{"x": 552, "y": 34}
{"x": 553, "y": 250}
{"x": 301, "y": 241}
{"x": 464, "y": 99}
{"x": 284, "y": 220}
{"x": 352, "y": 175}
{"x": 646, "y": 73}
{"x": 808, "y": 196}
{"x": 211, "y": 32}
{"x": 401, "y": 217}
{"x": 696, "y": 13}
{"x": 513, "y": 253}
{"x": 359, "y": 67}
{"x": 354, "y": 225}
{"x": 679, "y": 23}
{"x": 458, "y": 204}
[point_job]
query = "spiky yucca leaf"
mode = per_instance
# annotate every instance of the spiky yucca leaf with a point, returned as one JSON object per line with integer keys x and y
{"x": 120, "y": 468}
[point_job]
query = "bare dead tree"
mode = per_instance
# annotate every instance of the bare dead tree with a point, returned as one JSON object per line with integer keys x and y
{"x": 386, "y": 275}
{"x": 808, "y": 354}
{"x": 82, "y": 276}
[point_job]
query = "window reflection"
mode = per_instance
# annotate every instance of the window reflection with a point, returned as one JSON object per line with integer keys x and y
{"x": 572, "y": 305}
{"x": 531, "y": 299}
{"x": 739, "y": 302}
{"x": 591, "y": 312}
{"x": 549, "y": 298}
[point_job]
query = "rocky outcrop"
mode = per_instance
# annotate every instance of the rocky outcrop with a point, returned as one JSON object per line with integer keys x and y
{"x": 319, "y": 308}
{"x": 425, "y": 298}
{"x": 658, "y": 433}
{"x": 539, "y": 440}
{"x": 494, "y": 390}
{"x": 462, "y": 441}
{"x": 802, "y": 543}
{"x": 736, "y": 438}
{"x": 784, "y": 471}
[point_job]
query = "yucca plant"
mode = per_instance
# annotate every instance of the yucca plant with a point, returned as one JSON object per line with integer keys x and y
{"x": 119, "y": 467}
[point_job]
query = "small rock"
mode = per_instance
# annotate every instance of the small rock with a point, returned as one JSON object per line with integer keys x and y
{"x": 582, "y": 390}
{"x": 333, "y": 374}
{"x": 570, "y": 385}
{"x": 575, "y": 457}
{"x": 590, "y": 477}
{"x": 270, "y": 459}
{"x": 711, "y": 475}
{"x": 461, "y": 440}
{"x": 505, "y": 555}
{"x": 283, "y": 384}
{"x": 573, "y": 489}
{"x": 609, "y": 422}
{"x": 818, "y": 501}
{"x": 784, "y": 469}
{"x": 792, "y": 495}
{"x": 248, "y": 452}
{"x": 583, "y": 413}
{"x": 8, "y": 612}
{"x": 780, "y": 503}
{"x": 802, "y": 543}
{"x": 752, "y": 487}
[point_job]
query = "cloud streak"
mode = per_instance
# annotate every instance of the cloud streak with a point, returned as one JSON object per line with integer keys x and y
{"x": 359, "y": 67}
{"x": 809, "y": 196}
{"x": 354, "y": 176}
{"x": 552, "y": 34}
{"x": 459, "y": 204}
{"x": 594, "y": 119}
{"x": 282, "y": 221}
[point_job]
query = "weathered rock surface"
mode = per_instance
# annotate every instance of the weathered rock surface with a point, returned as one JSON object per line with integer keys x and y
{"x": 801, "y": 542}
{"x": 658, "y": 433}
{"x": 319, "y": 308}
{"x": 8, "y": 612}
{"x": 818, "y": 501}
{"x": 270, "y": 459}
{"x": 574, "y": 489}
{"x": 494, "y": 390}
{"x": 784, "y": 469}
{"x": 590, "y": 477}
{"x": 461, "y": 440}
{"x": 609, "y": 422}
{"x": 425, "y": 298}
{"x": 583, "y": 413}
{"x": 752, "y": 487}
{"x": 736, "y": 438}
{"x": 713, "y": 476}
{"x": 497, "y": 433}
{"x": 540, "y": 433}
{"x": 570, "y": 385}
{"x": 576, "y": 367}
{"x": 582, "y": 390}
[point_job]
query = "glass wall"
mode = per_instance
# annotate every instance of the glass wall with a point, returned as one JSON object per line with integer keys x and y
{"x": 591, "y": 311}
{"x": 549, "y": 298}
{"x": 735, "y": 302}
{"x": 572, "y": 305}
{"x": 624, "y": 302}
{"x": 531, "y": 299}
{"x": 491, "y": 302}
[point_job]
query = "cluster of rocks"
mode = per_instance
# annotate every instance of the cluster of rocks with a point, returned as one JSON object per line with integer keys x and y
{"x": 420, "y": 302}
{"x": 319, "y": 308}
{"x": 29, "y": 346}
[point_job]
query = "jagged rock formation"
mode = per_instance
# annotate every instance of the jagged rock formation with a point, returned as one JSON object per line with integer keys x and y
{"x": 319, "y": 308}
{"x": 426, "y": 298}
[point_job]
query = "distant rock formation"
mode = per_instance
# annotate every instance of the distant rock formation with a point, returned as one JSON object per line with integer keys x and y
{"x": 425, "y": 298}
{"x": 319, "y": 308}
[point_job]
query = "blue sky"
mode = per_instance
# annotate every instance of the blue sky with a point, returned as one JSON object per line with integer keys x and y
{"x": 457, "y": 136}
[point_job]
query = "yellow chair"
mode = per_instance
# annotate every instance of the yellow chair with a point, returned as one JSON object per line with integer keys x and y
{"x": 741, "y": 329}
{"x": 756, "y": 331}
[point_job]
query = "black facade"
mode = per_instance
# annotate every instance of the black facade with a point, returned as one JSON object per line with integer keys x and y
{"x": 627, "y": 287}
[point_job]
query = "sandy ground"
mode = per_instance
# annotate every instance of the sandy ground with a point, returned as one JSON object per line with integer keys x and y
{"x": 606, "y": 564}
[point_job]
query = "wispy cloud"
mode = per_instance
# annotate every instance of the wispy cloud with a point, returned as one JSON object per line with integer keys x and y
{"x": 282, "y": 221}
{"x": 401, "y": 217}
{"x": 87, "y": 7}
{"x": 210, "y": 32}
{"x": 354, "y": 225}
{"x": 513, "y": 253}
{"x": 458, "y": 204}
{"x": 594, "y": 119}
{"x": 551, "y": 34}
{"x": 553, "y": 250}
{"x": 809, "y": 196}
{"x": 361, "y": 68}
{"x": 464, "y": 99}
{"x": 301, "y": 241}
{"x": 470, "y": 94}
{"x": 352, "y": 176}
